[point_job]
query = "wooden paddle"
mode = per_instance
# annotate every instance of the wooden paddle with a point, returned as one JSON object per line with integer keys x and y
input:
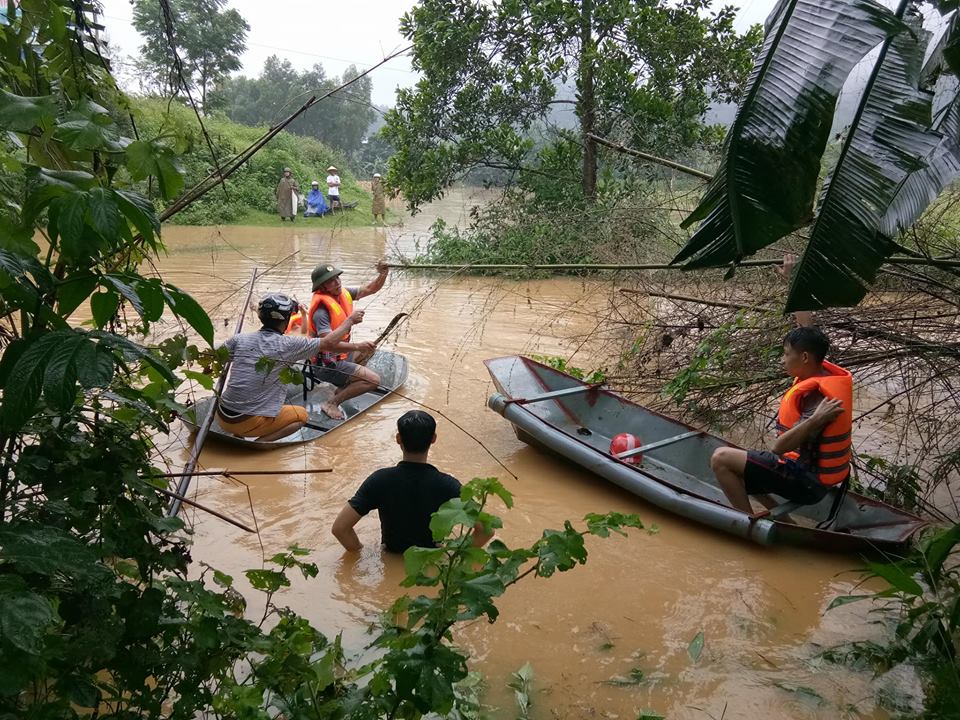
{"x": 363, "y": 356}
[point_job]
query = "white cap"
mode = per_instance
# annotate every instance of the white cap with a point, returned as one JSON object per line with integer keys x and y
{"x": 314, "y": 183}
{"x": 376, "y": 174}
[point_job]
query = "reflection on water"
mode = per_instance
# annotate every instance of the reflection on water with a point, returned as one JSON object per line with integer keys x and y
{"x": 637, "y": 603}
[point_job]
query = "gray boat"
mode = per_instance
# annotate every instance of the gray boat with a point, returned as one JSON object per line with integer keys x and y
{"x": 391, "y": 367}
{"x": 552, "y": 410}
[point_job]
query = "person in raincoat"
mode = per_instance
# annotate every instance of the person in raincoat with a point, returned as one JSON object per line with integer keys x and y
{"x": 316, "y": 204}
{"x": 288, "y": 193}
{"x": 379, "y": 203}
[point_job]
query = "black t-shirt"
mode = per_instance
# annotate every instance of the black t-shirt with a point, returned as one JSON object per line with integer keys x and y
{"x": 405, "y": 496}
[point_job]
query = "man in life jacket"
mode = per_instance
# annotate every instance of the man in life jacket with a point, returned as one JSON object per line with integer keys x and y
{"x": 330, "y": 306}
{"x": 812, "y": 450}
{"x": 252, "y": 404}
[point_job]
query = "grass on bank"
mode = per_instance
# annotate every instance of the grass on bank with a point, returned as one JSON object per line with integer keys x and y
{"x": 250, "y": 192}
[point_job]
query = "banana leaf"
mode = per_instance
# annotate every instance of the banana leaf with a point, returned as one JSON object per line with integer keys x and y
{"x": 925, "y": 185}
{"x": 890, "y": 139}
{"x": 767, "y": 180}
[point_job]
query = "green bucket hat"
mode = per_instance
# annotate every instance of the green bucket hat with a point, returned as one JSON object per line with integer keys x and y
{"x": 322, "y": 273}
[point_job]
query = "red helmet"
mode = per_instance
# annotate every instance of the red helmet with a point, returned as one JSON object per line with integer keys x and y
{"x": 623, "y": 442}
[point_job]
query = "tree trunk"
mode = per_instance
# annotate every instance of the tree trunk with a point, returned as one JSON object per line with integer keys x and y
{"x": 586, "y": 109}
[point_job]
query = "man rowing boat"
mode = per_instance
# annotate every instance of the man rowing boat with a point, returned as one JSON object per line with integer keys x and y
{"x": 252, "y": 403}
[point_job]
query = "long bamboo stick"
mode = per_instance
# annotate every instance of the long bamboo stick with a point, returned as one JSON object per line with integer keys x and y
{"x": 201, "y": 437}
{"x": 180, "y": 498}
{"x": 650, "y": 158}
{"x": 210, "y": 473}
{"x": 934, "y": 262}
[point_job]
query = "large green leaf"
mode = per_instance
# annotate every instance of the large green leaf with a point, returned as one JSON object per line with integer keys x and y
{"x": 25, "y": 113}
{"x": 60, "y": 376}
{"x": 942, "y": 167}
{"x": 767, "y": 179}
{"x": 24, "y": 619}
{"x": 22, "y": 388}
{"x": 189, "y": 309}
{"x": 889, "y": 138}
{"x": 146, "y": 158}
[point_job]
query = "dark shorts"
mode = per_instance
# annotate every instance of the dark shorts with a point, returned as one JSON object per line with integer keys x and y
{"x": 339, "y": 373}
{"x": 767, "y": 472}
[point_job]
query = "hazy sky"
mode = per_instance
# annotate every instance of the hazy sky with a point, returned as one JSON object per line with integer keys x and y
{"x": 335, "y": 33}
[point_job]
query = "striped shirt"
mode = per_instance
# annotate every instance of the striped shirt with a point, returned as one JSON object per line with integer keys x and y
{"x": 253, "y": 391}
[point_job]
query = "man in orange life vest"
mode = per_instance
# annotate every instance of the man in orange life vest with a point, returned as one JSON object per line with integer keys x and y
{"x": 812, "y": 450}
{"x": 331, "y": 305}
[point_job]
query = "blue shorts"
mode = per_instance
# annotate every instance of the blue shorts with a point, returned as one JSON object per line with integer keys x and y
{"x": 767, "y": 473}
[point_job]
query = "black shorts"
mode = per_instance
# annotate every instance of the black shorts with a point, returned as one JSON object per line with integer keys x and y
{"x": 767, "y": 472}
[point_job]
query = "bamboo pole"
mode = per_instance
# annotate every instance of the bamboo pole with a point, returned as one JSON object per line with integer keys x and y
{"x": 650, "y": 158}
{"x": 201, "y": 437}
{"x": 180, "y": 498}
{"x": 229, "y": 473}
{"x": 932, "y": 262}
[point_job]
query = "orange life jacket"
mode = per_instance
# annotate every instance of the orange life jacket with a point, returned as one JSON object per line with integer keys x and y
{"x": 339, "y": 310}
{"x": 296, "y": 321}
{"x": 832, "y": 451}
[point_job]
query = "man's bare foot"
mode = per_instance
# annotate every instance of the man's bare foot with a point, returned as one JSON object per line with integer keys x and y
{"x": 332, "y": 411}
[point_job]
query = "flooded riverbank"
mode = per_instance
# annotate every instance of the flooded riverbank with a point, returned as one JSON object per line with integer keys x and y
{"x": 637, "y": 603}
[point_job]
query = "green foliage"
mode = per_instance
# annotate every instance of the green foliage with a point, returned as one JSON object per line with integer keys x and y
{"x": 250, "y": 192}
{"x": 99, "y": 614}
{"x": 340, "y": 121}
{"x": 899, "y": 485}
{"x": 520, "y": 682}
{"x": 921, "y": 605}
{"x": 491, "y": 72}
{"x": 207, "y": 39}
{"x": 558, "y": 363}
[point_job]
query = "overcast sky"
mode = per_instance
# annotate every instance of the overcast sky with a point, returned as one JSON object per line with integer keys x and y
{"x": 332, "y": 32}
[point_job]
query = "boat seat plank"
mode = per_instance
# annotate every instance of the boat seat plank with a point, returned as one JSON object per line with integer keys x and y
{"x": 658, "y": 444}
{"x": 553, "y": 395}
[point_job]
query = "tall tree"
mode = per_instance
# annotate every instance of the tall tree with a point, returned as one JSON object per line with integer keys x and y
{"x": 643, "y": 69}
{"x": 208, "y": 40}
{"x": 341, "y": 121}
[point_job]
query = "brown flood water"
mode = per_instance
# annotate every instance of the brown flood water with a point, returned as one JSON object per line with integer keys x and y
{"x": 639, "y": 600}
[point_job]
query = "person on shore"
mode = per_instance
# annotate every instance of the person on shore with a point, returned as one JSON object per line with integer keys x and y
{"x": 812, "y": 450}
{"x": 252, "y": 403}
{"x": 333, "y": 187}
{"x": 316, "y": 204}
{"x": 405, "y": 495}
{"x": 329, "y": 307}
{"x": 379, "y": 202}
{"x": 288, "y": 196}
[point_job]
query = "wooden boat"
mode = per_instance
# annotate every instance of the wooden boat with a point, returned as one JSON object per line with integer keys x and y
{"x": 553, "y": 410}
{"x": 391, "y": 367}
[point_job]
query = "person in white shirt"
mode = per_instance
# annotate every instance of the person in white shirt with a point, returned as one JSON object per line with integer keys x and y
{"x": 333, "y": 187}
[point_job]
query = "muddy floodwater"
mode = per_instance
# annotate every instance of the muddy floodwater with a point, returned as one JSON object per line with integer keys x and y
{"x": 639, "y": 600}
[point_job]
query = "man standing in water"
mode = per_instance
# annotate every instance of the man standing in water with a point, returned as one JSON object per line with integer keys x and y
{"x": 287, "y": 190}
{"x": 331, "y": 304}
{"x": 812, "y": 450}
{"x": 405, "y": 495}
{"x": 252, "y": 403}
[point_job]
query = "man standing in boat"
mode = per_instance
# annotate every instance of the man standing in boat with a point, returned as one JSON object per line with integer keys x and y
{"x": 252, "y": 403}
{"x": 330, "y": 305}
{"x": 811, "y": 453}
{"x": 404, "y": 496}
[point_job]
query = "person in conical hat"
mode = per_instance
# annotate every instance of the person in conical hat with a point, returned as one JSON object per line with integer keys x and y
{"x": 379, "y": 203}
{"x": 330, "y": 305}
{"x": 333, "y": 187}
